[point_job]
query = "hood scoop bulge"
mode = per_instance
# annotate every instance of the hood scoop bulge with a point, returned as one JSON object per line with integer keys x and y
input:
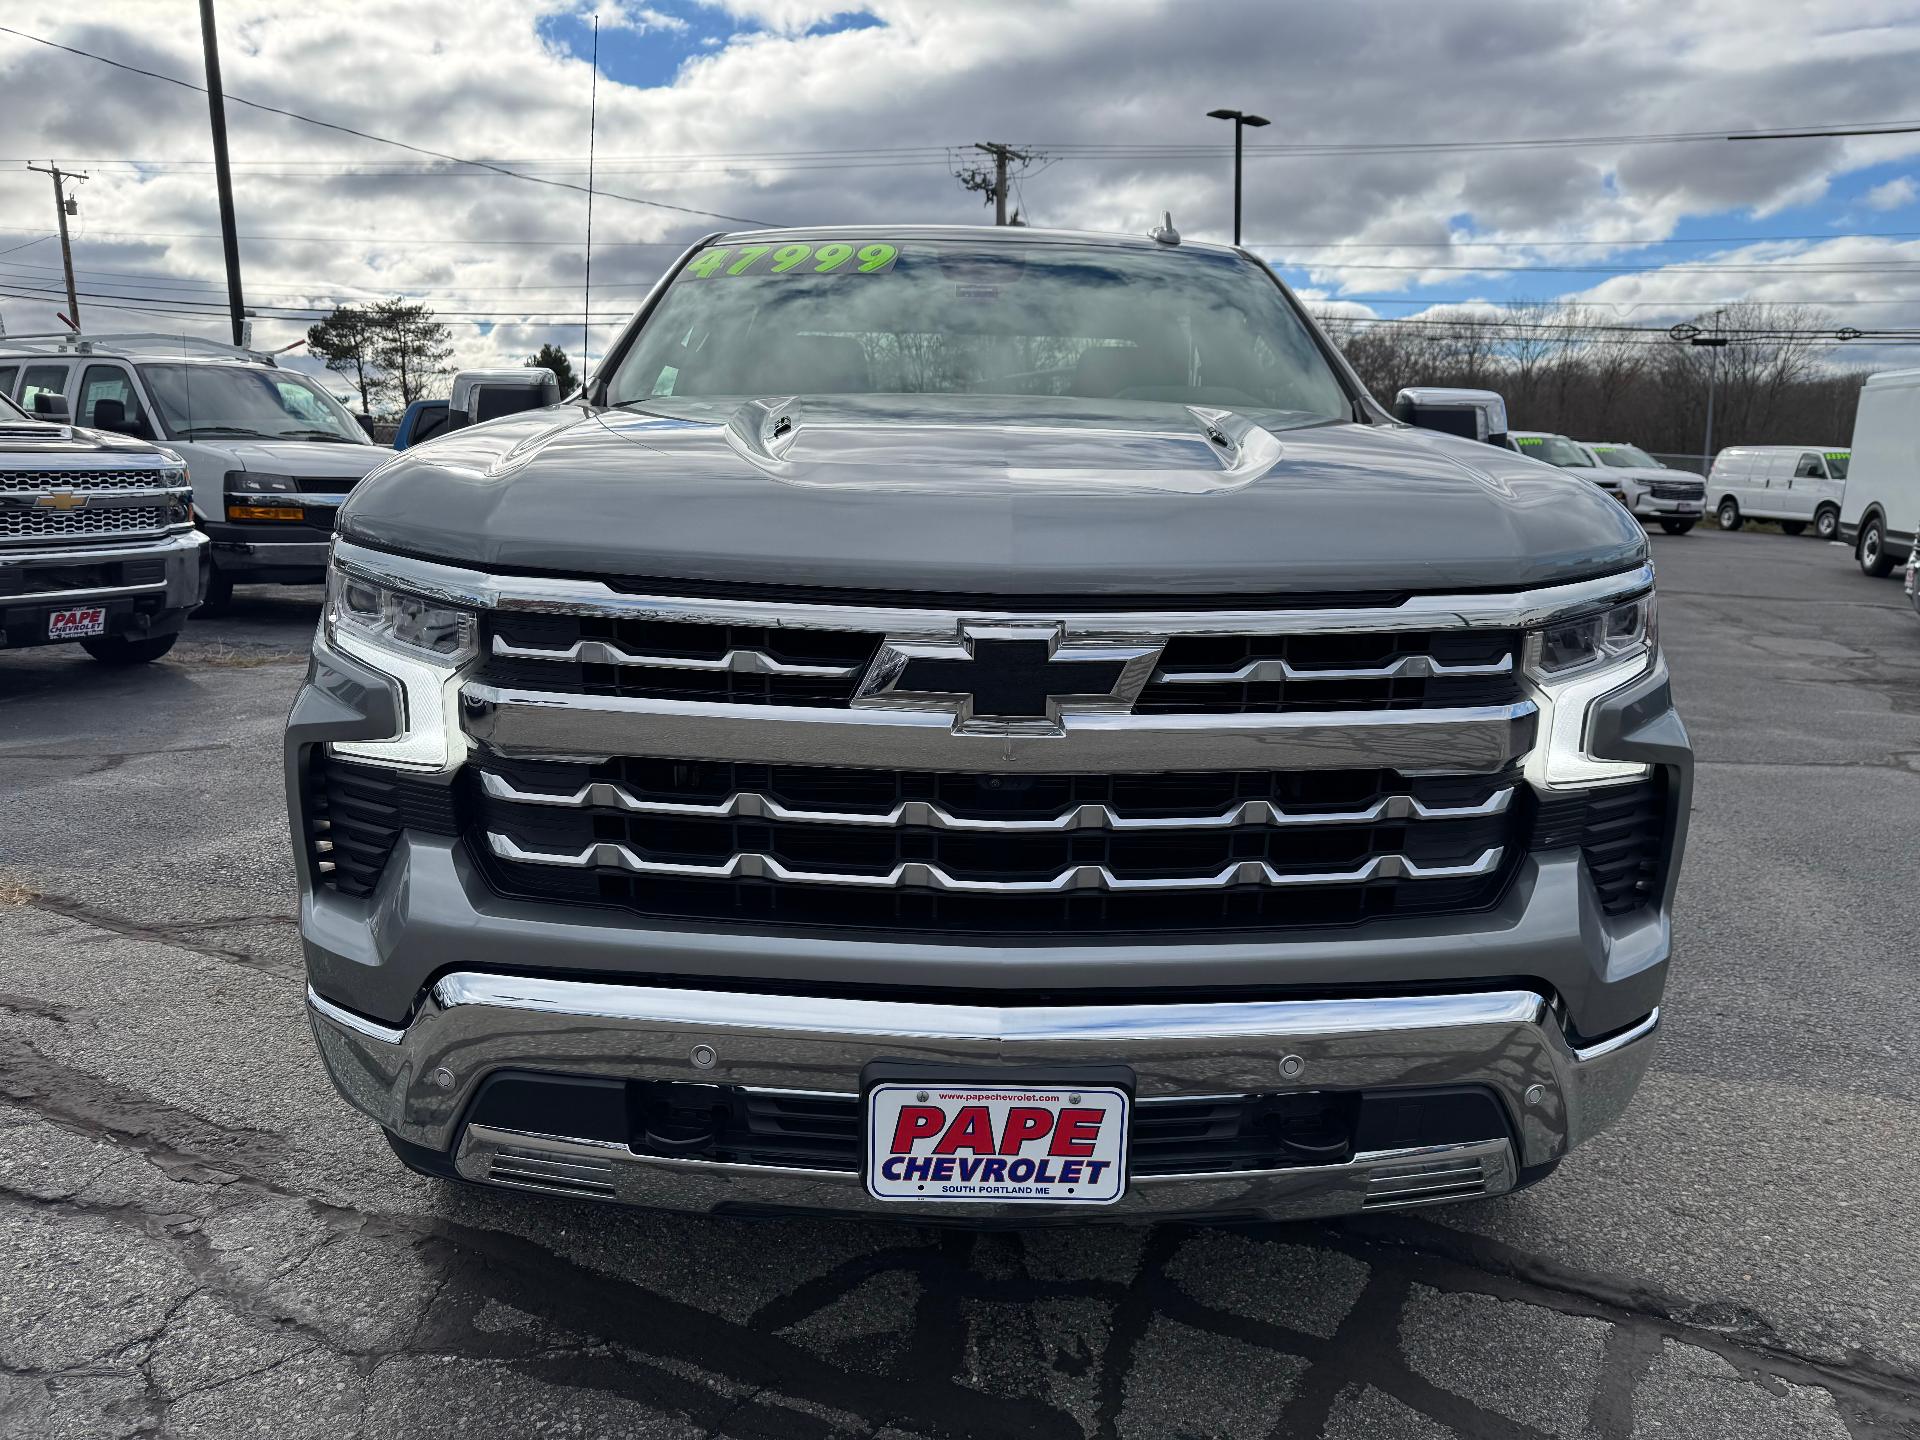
{"x": 998, "y": 445}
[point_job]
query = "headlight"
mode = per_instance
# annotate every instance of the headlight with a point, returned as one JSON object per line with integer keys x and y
{"x": 421, "y": 644}
{"x": 253, "y": 482}
{"x": 1571, "y": 663}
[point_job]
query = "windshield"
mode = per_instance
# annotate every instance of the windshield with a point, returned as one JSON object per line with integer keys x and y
{"x": 11, "y": 411}
{"x": 1627, "y": 457}
{"x": 1555, "y": 450}
{"x": 200, "y": 402}
{"x": 1837, "y": 463}
{"x": 964, "y": 317}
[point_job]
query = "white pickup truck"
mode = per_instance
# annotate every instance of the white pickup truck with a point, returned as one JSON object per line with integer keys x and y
{"x": 97, "y": 543}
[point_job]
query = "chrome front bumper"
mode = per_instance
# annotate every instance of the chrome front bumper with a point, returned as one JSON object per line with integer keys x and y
{"x": 417, "y": 1082}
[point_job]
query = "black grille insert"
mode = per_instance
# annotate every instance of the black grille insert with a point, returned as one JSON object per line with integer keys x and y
{"x": 1306, "y": 654}
{"x": 355, "y": 814}
{"x": 1343, "y": 845}
{"x": 1178, "y": 1135}
{"x": 1621, "y": 831}
{"x": 668, "y": 640}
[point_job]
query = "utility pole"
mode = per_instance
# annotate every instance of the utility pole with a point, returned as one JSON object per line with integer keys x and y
{"x": 217, "y": 112}
{"x": 995, "y": 185}
{"x": 63, "y": 207}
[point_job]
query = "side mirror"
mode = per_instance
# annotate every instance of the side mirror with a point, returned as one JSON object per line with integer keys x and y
{"x": 489, "y": 394}
{"x": 366, "y": 424}
{"x": 1472, "y": 414}
{"x": 52, "y": 405}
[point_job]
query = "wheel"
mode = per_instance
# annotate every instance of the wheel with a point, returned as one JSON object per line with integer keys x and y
{"x": 125, "y": 650}
{"x": 434, "y": 1164}
{"x": 1826, "y": 524}
{"x": 1677, "y": 527}
{"x": 1872, "y": 554}
{"x": 219, "y": 592}
{"x": 1793, "y": 527}
{"x": 1730, "y": 514}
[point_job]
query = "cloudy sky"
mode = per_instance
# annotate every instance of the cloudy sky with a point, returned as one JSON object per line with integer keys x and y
{"x": 1390, "y": 181}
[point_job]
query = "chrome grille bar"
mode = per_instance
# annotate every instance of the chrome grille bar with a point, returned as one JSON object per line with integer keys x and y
{"x": 535, "y": 594}
{"x": 920, "y": 876}
{"x": 926, "y": 814}
{"x": 1473, "y": 740}
{"x": 1407, "y": 667}
{"x": 739, "y": 662}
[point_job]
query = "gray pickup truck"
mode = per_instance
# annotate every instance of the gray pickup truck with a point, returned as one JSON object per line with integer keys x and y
{"x": 97, "y": 545}
{"x": 986, "y": 726}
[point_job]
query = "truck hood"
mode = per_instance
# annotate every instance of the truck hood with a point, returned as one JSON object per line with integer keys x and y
{"x": 319, "y": 458}
{"x": 991, "y": 496}
{"x": 45, "y": 437}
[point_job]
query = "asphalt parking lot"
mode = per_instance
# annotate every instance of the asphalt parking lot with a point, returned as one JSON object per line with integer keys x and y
{"x": 198, "y": 1239}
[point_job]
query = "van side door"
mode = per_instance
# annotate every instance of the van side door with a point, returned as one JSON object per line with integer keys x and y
{"x": 1808, "y": 485}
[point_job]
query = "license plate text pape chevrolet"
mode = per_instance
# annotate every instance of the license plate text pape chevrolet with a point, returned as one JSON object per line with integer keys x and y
{"x": 1000, "y": 1143}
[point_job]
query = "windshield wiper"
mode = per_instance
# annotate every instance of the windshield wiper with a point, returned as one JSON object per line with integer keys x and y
{"x": 232, "y": 430}
{"x": 333, "y": 435}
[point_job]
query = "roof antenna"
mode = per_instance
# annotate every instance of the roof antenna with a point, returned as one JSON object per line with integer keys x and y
{"x": 1164, "y": 232}
{"x": 586, "y": 288}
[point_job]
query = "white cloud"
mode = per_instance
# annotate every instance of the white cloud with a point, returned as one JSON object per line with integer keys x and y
{"x": 479, "y": 78}
{"x": 1895, "y": 194}
{"x": 639, "y": 18}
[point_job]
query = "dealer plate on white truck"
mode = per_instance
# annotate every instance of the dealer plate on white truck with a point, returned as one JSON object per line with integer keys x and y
{"x": 77, "y": 624}
{"x": 1006, "y": 1144}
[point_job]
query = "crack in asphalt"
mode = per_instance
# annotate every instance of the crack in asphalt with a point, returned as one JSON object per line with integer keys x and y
{"x": 164, "y": 932}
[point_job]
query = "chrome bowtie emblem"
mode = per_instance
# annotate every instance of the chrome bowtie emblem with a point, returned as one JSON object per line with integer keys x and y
{"x": 1009, "y": 678}
{"x": 61, "y": 500}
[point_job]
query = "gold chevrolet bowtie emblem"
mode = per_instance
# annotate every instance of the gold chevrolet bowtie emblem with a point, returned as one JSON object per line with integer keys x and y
{"x": 61, "y": 500}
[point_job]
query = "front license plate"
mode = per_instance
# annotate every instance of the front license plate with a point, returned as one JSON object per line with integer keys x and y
{"x": 75, "y": 624}
{"x": 1004, "y": 1144}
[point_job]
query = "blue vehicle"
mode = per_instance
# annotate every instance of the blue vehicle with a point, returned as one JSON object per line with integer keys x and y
{"x": 477, "y": 395}
{"x": 424, "y": 420}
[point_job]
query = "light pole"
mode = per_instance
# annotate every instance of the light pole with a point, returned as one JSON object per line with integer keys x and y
{"x": 1241, "y": 120}
{"x": 1693, "y": 335}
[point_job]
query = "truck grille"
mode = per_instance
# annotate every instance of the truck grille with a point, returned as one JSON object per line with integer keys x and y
{"x": 1197, "y": 675}
{"x": 1678, "y": 489}
{"x": 1136, "y": 853}
{"x": 92, "y": 480}
{"x": 127, "y": 520}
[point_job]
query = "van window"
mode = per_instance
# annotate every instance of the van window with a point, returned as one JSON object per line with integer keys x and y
{"x": 1809, "y": 468}
{"x": 1837, "y": 463}
{"x": 42, "y": 379}
{"x": 108, "y": 382}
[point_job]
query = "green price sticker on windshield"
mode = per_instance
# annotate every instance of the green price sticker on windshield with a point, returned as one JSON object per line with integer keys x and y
{"x": 835, "y": 257}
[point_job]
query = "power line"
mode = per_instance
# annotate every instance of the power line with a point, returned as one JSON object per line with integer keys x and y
{"x": 368, "y": 135}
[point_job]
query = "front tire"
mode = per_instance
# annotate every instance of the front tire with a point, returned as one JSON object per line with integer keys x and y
{"x": 219, "y": 595}
{"x": 1794, "y": 527}
{"x": 125, "y": 650}
{"x": 1872, "y": 554}
{"x": 1676, "y": 527}
{"x": 1730, "y": 514}
{"x": 1826, "y": 524}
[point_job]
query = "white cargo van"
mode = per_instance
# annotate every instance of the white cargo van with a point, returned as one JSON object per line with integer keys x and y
{"x": 272, "y": 454}
{"x": 1797, "y": 485}
{"x": 1881, "y": 512}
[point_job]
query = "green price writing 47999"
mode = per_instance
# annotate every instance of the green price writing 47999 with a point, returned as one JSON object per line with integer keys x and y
{"x": 835, "y": 257}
